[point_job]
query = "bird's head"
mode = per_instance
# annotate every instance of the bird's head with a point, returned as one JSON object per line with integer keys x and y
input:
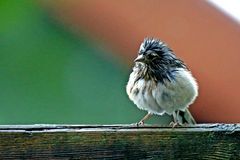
{"x": 158, "y": 60}
{"x": 153, "y": 50}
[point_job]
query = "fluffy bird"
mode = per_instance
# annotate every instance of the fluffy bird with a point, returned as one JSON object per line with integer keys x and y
{"x": 161, "y": 83}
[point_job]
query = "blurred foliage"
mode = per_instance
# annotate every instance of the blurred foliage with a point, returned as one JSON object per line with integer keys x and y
{"x": 49, "y": 75}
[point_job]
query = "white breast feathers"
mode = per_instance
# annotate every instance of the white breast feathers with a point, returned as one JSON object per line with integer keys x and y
{"x": 159, "y": 98}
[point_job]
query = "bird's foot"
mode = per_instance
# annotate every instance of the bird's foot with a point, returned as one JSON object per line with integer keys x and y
{"x": 185, "y": 125}
{"x": 174, "y": 124}
{"x": 140, "y": 123}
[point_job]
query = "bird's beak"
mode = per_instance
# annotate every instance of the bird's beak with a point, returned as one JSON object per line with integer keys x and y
{"x": 140, "y": 58}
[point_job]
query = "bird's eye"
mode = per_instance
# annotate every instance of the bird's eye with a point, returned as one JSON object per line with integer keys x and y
{"x": 154, "y": 54}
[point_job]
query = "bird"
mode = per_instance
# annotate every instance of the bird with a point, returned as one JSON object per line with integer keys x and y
{"x": 161, "y": 83}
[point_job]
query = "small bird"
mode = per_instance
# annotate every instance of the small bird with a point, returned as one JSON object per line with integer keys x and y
{"x": 161, "y": 83}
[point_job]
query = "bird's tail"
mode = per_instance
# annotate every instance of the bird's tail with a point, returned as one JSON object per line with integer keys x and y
{"x": 186, "y": 117}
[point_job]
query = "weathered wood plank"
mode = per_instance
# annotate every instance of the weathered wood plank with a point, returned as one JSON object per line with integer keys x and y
{"x": 205, "y": 141}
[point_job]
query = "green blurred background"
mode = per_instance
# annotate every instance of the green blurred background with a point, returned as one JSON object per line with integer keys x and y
{"x": 50, "y": 75}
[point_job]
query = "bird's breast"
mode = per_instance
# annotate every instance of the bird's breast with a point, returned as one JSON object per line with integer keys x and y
{"x": 157, "y": 97}
{"x": 140, "y": 91}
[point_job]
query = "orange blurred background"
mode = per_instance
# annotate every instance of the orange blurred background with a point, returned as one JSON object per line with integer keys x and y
{"x": 204, "y": 37}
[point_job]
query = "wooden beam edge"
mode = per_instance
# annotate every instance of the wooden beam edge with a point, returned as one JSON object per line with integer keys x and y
{"x": 216, "y": 127}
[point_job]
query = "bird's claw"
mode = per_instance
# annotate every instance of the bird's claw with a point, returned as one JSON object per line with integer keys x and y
{"x": 140, "y": 123}
{"x": 174, "y": 124}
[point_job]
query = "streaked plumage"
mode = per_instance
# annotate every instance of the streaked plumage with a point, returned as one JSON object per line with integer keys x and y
{"x": 161, "y": 83}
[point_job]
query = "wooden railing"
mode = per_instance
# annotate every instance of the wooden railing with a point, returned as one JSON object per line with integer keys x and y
{"x": 203, "y": 141}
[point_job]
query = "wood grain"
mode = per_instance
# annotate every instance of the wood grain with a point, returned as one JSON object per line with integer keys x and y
{"x": 205, "y": 141}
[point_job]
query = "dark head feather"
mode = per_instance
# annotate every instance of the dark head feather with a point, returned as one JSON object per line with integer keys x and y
{"x": 160, "y": 60}
{"x": 155, "y": 45}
